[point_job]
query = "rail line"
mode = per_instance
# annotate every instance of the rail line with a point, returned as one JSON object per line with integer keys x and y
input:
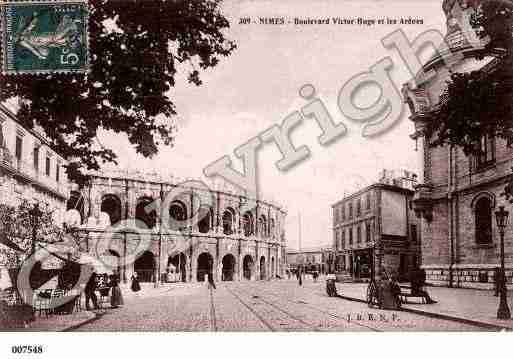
{"x": 254, "y": 312}
{"x": 326, "y": 312}
{"x": 273, "y": 305}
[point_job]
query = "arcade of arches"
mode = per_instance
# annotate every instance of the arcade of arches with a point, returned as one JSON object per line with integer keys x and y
{"x": 226, "y": 242}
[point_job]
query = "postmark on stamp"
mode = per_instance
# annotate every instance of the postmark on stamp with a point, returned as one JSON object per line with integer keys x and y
{"x": 41, "y": 37}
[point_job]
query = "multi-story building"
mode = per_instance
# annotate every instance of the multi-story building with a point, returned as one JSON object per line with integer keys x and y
{"x": 458, "y": 194}
{"x": 312, "y": 258}
{"x": 130, "y": 221}
{"x": 29, "y": 168}
{"x": 375, "y": 228}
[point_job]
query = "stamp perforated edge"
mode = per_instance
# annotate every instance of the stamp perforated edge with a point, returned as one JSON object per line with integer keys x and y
{"x": 3, "y": 4}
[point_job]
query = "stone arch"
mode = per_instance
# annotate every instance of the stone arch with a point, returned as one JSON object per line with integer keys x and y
{"x": 483, "y": 220}
{"x": 179, "y": 262}
{"x": 248, "y": 224}
{"x": 205, "y": 266}
{"x": 76, "y": 202}
{"x": 480, "y": 195}
{"x": 262, "y": 226}
{"x": 206, "y": 219}
{"x": 144, "y": 217}
{"x": 111, "y": 205}
{"x": 263, "y": 272}
{"x": 229, "y": 221}
{"x": 177, "y": 215}
{"x": 144, "y": 266}
{"x": 116, "y": 264}
{"x": 248, "y": 267}
{"x": 228, "y": 267}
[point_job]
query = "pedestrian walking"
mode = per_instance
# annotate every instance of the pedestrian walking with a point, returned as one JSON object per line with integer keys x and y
{"x": 300, "y": 277}
{"x": 116, "y": 297}
{"x": 135, "y": 286}
{"x": 90, "y": 289}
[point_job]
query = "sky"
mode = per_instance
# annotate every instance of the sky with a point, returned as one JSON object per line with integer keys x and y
{"x": 257, "y": 87}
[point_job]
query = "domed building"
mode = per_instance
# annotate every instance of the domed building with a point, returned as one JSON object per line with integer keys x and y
{"x": 169, "y": 231}
{"x": 458, "y": 194}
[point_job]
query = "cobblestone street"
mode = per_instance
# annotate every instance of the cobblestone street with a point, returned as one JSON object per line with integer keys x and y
{"x": 256, "y": 306}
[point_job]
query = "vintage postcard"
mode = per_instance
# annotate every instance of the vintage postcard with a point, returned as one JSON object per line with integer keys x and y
{"x": 255, "y": 166}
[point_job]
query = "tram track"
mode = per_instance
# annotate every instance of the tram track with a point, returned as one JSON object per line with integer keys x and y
{"x": 253, "y": 311}
{"x": 335, "y": 316}
{"x": 372, "y": 328}
{"x": 266, "y": 322}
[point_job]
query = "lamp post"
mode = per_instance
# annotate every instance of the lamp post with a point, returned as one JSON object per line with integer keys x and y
{"x": 35, "y": 214}
{"x": 503, "y": 312}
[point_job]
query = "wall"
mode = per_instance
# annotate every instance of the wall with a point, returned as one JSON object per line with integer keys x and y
{"x": 393, "y": 213}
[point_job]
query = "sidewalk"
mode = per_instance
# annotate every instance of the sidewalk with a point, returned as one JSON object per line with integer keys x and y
{"x": 466, "y": 305}
{"x": 60, "y": 323}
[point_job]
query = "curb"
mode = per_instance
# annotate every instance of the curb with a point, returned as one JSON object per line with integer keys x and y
{"x": 476, "y": 323}
{"x": 82, "y": 323}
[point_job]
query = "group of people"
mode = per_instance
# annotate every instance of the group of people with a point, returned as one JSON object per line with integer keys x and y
{"x": 97, "y": 282}
{"x": 299, "y": 273}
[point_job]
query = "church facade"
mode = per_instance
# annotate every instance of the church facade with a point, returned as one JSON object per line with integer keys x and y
{"x": 458, "y": 194}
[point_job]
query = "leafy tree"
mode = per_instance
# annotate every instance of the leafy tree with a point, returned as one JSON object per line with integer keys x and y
{"x": 480, "y": 102}
{"x": 16, "y": 226}
{"x": 136, "y": 48}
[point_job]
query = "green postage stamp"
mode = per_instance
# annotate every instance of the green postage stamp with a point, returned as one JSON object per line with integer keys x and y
{"x": 41, "y": 37}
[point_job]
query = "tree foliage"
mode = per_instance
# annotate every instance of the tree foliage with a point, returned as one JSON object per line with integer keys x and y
{"x": 136, "y": 49}
{"x": 16, "y": 226}
{"x": 476, "y": 102}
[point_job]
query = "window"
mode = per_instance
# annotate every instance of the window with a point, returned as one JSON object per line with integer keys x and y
{"x": 483, "y": 219}
{"x": 337, "y": 233}
{"x": 350, "y": 236}
{"x": 367, "y": 201}
{"x": 414, "y": 233}
{"x": 343, "y": 213}
{"x": 358, "y": 207}
{"x": 336, "y": 215}
{"x": 350, "y": 210}
{"x": 359, "y": 234}
{"x": 19, "y": 147}
{"x": 57, "y": 172}
{"x": 486, "y": 154}
{"x": 36, "y": 158}
{"x": 343, "y": 239}
{"x": 367, "y": 232}
{"x": 47, "y": 166}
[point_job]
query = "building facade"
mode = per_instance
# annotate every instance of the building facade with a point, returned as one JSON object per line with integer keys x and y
{"x": 29, "y": 168}
{"x": 458, "y": 194}
{"x": 375, "y": 228}
{"x": 144, "y": 224}
{"x": 315, "y": 258}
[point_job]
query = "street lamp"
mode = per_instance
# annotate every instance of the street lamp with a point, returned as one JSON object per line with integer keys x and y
{"x": 35, "y": 214}
{"x": 503, "y": 312}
